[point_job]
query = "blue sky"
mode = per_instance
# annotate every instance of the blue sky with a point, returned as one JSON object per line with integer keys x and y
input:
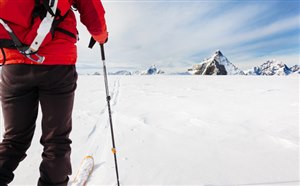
{"x": 174, "y": 35}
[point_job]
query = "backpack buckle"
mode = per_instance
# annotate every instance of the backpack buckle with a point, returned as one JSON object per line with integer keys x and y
{"x": 33, "y": 56}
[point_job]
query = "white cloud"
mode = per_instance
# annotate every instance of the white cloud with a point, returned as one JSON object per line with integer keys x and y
{"x": 168, "y": 34}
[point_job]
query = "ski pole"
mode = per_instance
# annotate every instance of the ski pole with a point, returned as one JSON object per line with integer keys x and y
{"x": 108, "y": 98}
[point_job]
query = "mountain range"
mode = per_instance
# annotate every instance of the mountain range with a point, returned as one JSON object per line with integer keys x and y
{"x": 218, "y": 64}
{"x": 273, "y": 67}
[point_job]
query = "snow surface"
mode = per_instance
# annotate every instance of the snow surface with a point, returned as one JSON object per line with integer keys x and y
{"x": 184, "y": 130}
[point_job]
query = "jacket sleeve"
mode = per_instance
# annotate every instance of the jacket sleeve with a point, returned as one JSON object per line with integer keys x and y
{"x": 92, "y": 16}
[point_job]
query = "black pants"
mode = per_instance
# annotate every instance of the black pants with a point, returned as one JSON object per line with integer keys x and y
{"x": 23, "y": 87}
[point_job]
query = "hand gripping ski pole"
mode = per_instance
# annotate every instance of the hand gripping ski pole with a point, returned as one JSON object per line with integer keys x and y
{"x": 109, "y": 112}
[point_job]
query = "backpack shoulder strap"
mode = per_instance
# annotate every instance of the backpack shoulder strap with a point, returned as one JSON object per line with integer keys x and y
{"x": 44, "y": 27}
{"x": 48, "y": 4}
{"x": 45, "y": 10}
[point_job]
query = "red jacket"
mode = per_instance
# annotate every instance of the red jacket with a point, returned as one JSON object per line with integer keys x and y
{"x": 60, "y": 48}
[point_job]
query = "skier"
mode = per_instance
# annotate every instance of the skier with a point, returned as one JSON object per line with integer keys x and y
{"x": 46, "y": 76}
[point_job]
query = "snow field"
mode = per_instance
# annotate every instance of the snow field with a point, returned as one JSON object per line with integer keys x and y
{"x": 184, "y": 130}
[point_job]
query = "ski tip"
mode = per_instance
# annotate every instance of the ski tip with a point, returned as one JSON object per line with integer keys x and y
{"x": 85, "y": 170}
{"x": 89, "y": 156}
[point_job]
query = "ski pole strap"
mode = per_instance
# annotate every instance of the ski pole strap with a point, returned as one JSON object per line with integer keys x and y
{"x": 92, "y": 42}
{"x": 114, "y": 151}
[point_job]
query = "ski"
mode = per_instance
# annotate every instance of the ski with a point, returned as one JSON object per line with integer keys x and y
{"x": 84, "y": 171}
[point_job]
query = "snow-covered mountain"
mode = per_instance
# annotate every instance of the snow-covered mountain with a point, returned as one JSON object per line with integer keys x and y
{"x": 273, "y": 67}
{"x": 122, "y": 72}
{"x": 295, "y": 69}
{"x": 153, "y": 70}
{"x": 217, "y": 64}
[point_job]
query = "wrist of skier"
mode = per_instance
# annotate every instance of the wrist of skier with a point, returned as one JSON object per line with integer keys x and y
{"x": 101, "y": 38}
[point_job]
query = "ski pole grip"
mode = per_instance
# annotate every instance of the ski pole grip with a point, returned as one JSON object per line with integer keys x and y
{"x": 102, "y": 51}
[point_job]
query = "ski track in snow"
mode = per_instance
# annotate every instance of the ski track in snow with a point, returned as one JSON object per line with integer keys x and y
{"x": 99, "y": 139}
{"x": 101, "y": 129}
{"x": 114, "y": 95}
